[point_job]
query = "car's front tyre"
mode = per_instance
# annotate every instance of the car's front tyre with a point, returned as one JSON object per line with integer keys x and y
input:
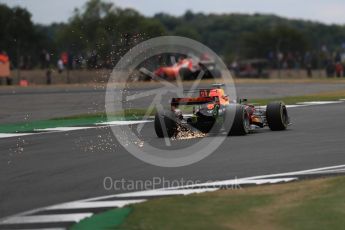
{"x": 277, "y": 116}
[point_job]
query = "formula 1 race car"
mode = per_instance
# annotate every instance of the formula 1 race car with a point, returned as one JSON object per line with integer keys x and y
{"x": 214, "y": 112}
{"x": 187, "y": 68}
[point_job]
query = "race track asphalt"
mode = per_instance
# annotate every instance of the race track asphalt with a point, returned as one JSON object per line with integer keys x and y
{"x": 46, "y": 169}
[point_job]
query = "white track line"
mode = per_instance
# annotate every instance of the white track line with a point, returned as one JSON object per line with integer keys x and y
{"x": 153, "y": 193}
{"x": 96, "y": 204}
{"x": 46, "y": 218}
{"x": 262, "y": 179}
{"x": 295, "y": 106}
{"x": 63, "y": 129}
{"x": 6, "y": 135}
{"x": 123, "y": 122}
{"x": 237, "y": 182}
{"x": 326, "y": 172}
{"x": 319, "y": 102}
{"x": 165, "y": 192}
{"x": 295, "y": 173}
{"x": 269, "y": 181}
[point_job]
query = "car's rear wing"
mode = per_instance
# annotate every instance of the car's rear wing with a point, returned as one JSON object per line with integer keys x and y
{"x": 193, "y": 101}
{"x": 204, "y": 92}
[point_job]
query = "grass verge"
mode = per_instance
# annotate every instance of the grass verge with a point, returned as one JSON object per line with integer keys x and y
{"x": 103, "y": 221}
{"x": 305, "y": 205}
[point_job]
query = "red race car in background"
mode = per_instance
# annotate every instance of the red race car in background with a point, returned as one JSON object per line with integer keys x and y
{"x": 187, "y": 68}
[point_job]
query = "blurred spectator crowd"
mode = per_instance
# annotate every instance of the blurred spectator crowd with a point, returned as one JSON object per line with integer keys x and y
{"x": 332, "y": 62}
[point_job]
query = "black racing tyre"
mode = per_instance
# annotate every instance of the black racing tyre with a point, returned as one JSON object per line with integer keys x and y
{"x": 186, "y": 74}
{"x": 165, "y": 124}
{"x": 241, "y": 123}
{"x": 277, "y": 116}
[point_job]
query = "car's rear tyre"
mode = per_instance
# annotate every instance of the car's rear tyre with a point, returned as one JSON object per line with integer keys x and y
{"x": 277, "y": 116}
{"x": 241, "y": 122}
{"x": 165, "y": 124}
